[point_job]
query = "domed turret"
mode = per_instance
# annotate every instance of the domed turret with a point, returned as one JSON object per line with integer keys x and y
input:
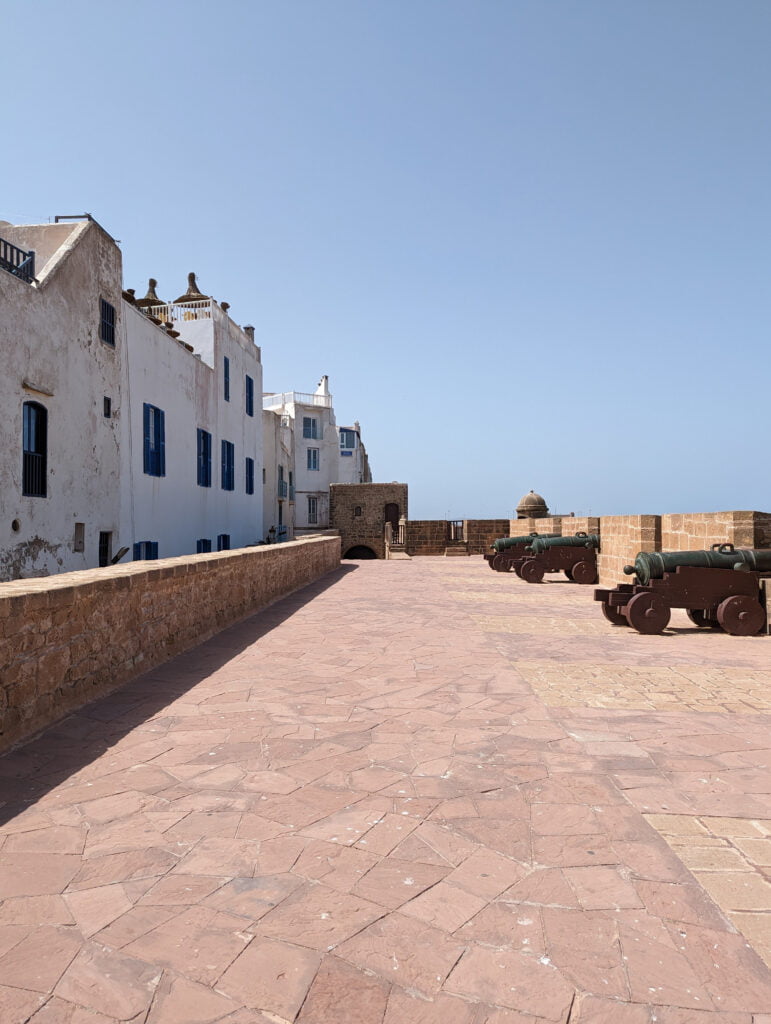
{"x": 532, "y": 506}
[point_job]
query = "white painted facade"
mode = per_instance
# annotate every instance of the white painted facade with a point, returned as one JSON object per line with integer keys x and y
{"x": 278, "y": 508}
{"x": 317, "y": 452}
{"x": 53, "y": 356}
{"x": 95, "y": 481}
{"x": 174, "y": 510}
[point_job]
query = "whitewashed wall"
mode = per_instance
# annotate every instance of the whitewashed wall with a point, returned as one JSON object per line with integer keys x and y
{"x": 49, "y": 339}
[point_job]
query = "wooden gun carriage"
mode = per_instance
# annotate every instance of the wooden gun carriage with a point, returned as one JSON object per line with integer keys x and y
{"x": 504, "y": 550}
{"x": 575, "y": 556}
{"x": 719, "y": 587}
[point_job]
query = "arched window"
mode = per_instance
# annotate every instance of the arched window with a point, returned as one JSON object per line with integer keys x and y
{"x": 35, "y": 456}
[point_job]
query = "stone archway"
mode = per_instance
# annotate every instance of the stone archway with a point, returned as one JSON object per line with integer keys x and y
{"x": 360, "y": 552}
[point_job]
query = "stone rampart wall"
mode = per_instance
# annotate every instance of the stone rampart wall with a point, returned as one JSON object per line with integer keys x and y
{"x": 621, "y": 537}
{"x": 67, "y": 639}
{"x": 426, "y": 537}
{"x": 480, "y": 533}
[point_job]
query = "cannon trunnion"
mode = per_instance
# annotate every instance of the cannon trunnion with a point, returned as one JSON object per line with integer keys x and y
{"x": 720, "y": 587}
{"x": 576, "y": 556}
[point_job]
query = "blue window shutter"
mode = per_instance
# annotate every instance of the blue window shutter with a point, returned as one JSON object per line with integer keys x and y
{"x": 146, "y": 434}
{"x": 207, "y": 459}
{"x": 224, "y": 465}
{"x": 154, "y": 549}
{"x": 138, "y": 547}
{"x": 160, "y": 420}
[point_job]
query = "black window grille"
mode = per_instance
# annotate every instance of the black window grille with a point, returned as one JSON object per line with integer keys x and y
{"x": 107, "y": 322}
{"x": 35, "y": 450}
{"x": 105, "y": 547}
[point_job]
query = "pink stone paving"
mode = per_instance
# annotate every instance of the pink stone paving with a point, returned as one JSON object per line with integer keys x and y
{"x": 414, "y": 793}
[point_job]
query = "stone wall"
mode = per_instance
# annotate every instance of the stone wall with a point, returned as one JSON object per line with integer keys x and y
{"x": 621, "y": 537}
{"x": 547, "y": 525}
{"x": 480, "y": 533}
{"x": 367, "y": 529}
{"x": 67, "y": 639}
{"x": 686, "y": 531}
{"x": 426, "y": 537}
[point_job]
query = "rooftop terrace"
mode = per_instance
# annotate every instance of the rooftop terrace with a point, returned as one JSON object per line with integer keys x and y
{"x": 412, "y": 793}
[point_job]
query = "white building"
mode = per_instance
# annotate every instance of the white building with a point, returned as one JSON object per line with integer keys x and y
{"x": 278, "y": 501}
{"x": 114, "y": 432}
{"x": 323, "y": 453}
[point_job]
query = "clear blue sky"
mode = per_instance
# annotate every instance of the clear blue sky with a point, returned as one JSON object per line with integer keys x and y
{"x": 528, "y": 240}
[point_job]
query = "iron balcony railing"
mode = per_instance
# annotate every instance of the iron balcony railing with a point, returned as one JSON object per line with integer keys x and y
{"x": 17, "y": 262}
{"x": 176, "y": 312}
{"x": 282, "y": 488}
{"x": 455, "y": 533}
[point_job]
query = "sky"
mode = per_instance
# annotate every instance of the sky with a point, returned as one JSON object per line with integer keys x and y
{"x": 528, "y": 240}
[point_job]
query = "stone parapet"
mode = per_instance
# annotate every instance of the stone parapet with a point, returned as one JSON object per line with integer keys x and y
{"x": 688, "y": 531}
{"x": 67, "y": 639}
{"x": 546, "y": 525}
{"x": 621, "y": 537}
{"x": 480, "y": 533}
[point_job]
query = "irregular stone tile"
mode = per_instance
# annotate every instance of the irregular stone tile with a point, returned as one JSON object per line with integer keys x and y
{"x": 135, "y": 922}
{"x": 108, "y": 982}
{"x": 657, "y": 971}
{"x": 340, "y": 867}
{"x": 573, "y": 851}
{"x": 252, "y": 898}
{"x": 198, "y": 943}
{"x": 36, "y": 874}
{"x": 180, "y": 1001}
{"x": 271, "y": 976}
{"x": 513, "y": 980}
{"x": 543, "y": 886}
{"x": 18, "y": 1005}
{"x": 56, "y": 839}
{"x": 602, "y": 888}
{"x": 58, "y": 1011}
{"x": 593, "y": 1010}
{"x": 341, "y": 994}
{"x": 680, "y": 902}
{"x": 319, "y": 917}
{"x": 94, "y": 909}
{"x": 393, "y": 882}
{"x": 506, "y": 925}
{"x": 387, "y": 834}
{"x": 279, "y": 855}
{"x": 405, "y": 952}
{"x": 122, "y": 867}
{"x": 219, "y": 857}
{"x": 180, "y": 890}
{"x": 486, "y": 873}
{"x": 444, "y": 906}
{"x": 728, "y": 968}
{"x": 39, "y": 959}
{"x": 405, "y": 1008}
{"x": 651, "y": 861}
{"x": 584, "y": 946}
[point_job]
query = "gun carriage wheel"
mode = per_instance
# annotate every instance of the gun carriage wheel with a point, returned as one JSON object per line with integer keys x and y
{"x": 614, "y": 615}
{"x": 583, "y": 572}
{"x": 648, "y": 613}
{"x": 532, "y": 571}
{"x": 741, "y": 615}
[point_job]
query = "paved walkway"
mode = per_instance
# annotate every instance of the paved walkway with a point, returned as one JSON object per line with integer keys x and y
{"x": 431, "y": 794}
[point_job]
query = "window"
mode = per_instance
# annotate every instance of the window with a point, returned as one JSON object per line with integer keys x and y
{"x": 107, "y": 409}
{"x": 228, "y": 465}
{"x": 263, "y": 474}
{"x": 107, "y": 322}
{"x": 250, "y": 476}
{"x": 79, "y": 539}
{"x": 291, "y": 485}
{"x": 203, "y": 546}
{"x": 223, "y": 542}
{"x": 313, "y": 516}
{"x": 249, "y": 396}
{"x": 154, "y": 440}
{"x": 105, "y": 547}
{"x": 145, "y": 550}
{"x": 226, "y": 369}
{"x": 204, "y": 458}
{"x": 35, "y": 450}
{"x": 310, "y": 427}
{"x": 347, "y": 438}
{"x": 313, "y": 458}
{"x": 357, "y": 510}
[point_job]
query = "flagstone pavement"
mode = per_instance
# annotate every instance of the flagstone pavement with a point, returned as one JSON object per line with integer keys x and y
{"x": 412, "y": 793}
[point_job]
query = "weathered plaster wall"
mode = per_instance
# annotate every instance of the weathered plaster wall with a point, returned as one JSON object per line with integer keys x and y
{"x": 70, "y": 638}
{"x": 49, "y": 340}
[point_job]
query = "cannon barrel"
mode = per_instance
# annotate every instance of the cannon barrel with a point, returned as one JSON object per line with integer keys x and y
{"x": 651, "y": 565}
{"x": 509, "y": 542}
{"x": 579, "y": 540}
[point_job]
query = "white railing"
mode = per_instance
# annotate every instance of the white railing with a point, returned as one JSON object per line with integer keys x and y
{"x": 176, "y": 312}
{"x": 296, "y": 397}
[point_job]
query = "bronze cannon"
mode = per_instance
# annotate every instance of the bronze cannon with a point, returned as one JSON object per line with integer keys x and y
{"x": 576, "y": 556}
